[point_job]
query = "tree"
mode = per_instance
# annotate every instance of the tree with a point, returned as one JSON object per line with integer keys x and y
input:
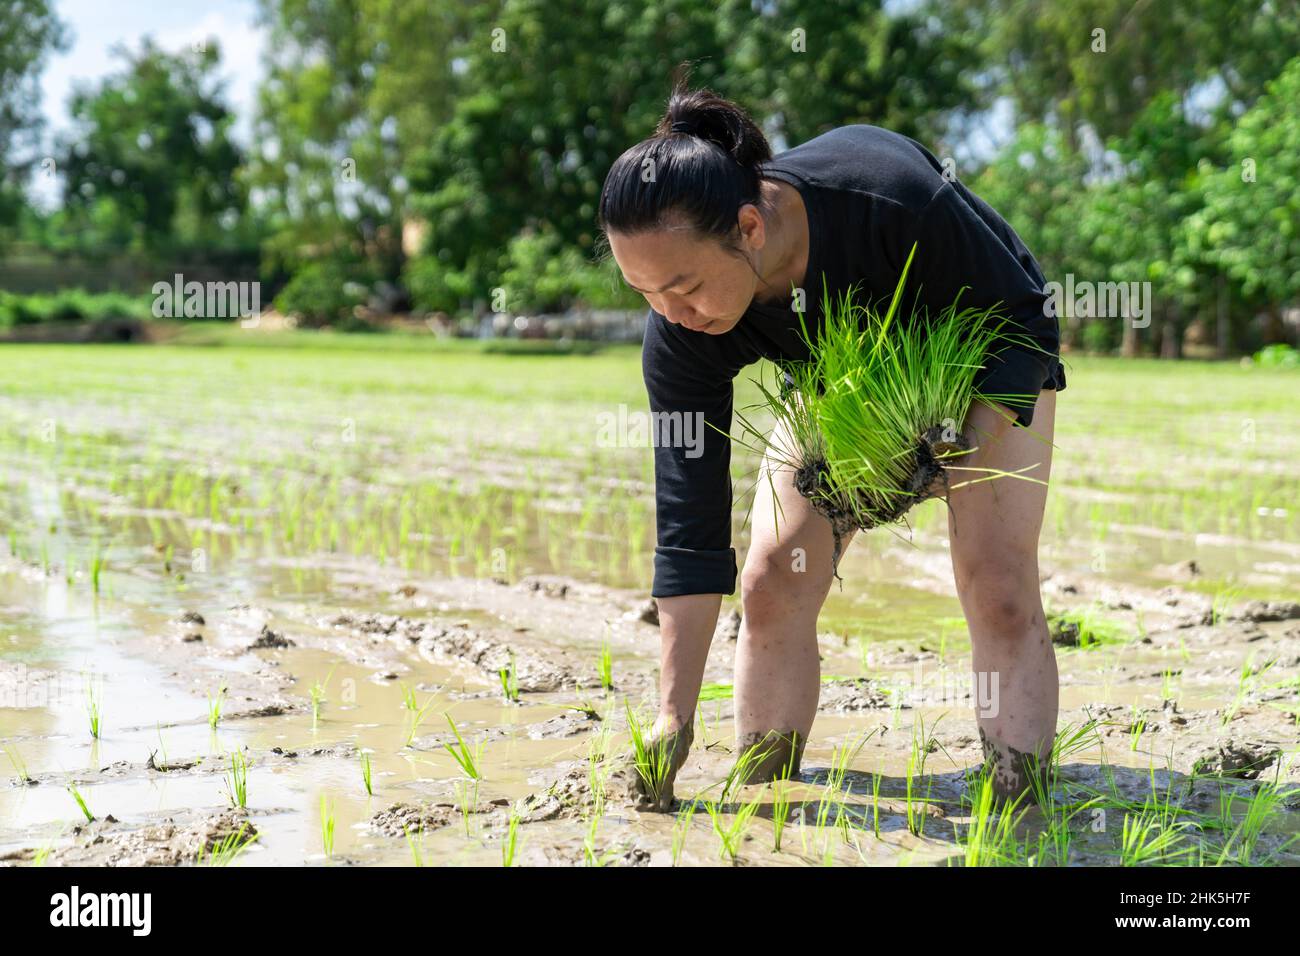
{"x": 29, "y": 32}
{"x": 150, "y": 165}
{"x": 1249, "y": 223}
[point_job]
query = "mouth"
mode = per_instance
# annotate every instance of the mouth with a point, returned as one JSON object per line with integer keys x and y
{"x": 699, "y": 328}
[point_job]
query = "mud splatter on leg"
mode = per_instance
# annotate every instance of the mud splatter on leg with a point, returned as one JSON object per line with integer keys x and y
{"x": 776, "y": 755}
{"x": 1013, "y": 770}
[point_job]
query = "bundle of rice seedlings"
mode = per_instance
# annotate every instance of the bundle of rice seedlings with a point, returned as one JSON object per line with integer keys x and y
{"x": 877, "y": 421}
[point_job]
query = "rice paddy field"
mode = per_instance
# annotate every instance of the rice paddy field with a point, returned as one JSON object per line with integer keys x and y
{"x": 383, "y": 600}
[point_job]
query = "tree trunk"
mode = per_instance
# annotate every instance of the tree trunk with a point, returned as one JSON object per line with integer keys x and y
{"x": 1223, "y": 337}
{"x": 1171, "y": 335}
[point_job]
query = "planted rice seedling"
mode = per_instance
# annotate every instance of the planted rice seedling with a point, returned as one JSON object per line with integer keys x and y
{"x": 237, "y": 780}
{"x": 681, "y": 827}
{"x": 605, "y": 667}
{"x": 467, "y": 759}
{"x": 18, "y": 763}
{"x": 510, "y": 681}
{"x": 327, "y": 822}
{"x": 1266, "y": 800}
{"x": 730, "y": 834}
{"x": 225, "y": 851}
{"x": 94, "y": 706}
{"x": 881, "y": 404}
{"x": 466, "y": 799}
{"x": 76, "y": 795}
{"x": 652, "y": 760}
{"x": 317, "y": 691}
{"x": 780, "y": 813}
{"x": 416, "y": 711}
{"x": 990, "y": 837}
{"x": 365, "y": 772}
{"x": 416, "y": 844}
{"x": 214, "y": 706}
{"x": 511, "y": 841}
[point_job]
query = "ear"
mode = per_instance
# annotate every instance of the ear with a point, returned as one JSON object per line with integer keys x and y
{"x": 753, "y": 230}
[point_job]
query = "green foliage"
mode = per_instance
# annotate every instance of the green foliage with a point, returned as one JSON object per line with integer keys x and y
{"x": 70, "y": 305}
{"x": 29, "y": 32}
{"x": 150, "y": 163}
{"x": 1250, "y": 223}
{"x": 1277, "y": 356}
{"x": 320, "y": 293}
{"x": 543, "y": 275}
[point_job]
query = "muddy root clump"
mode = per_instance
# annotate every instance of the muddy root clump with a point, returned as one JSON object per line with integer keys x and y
{"x": 927, "y": 473}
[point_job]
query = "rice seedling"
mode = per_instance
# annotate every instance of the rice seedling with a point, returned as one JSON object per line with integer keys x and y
{"x": 880, "y": 406}
{"x": 94, "y": 707}
{"x": 1147, "y": 837}
{"x": 327, "y": 822}
{"x": 605, "y": 667}
{"x": 416, "y": 843}
{"x": 1241, "y": 844}
{"x": 1167, "y": 683}
{"x": 96, "y": 568}
{"x": 466, "y": 800}
{"x": 76, "y": 795}
{"x": 416, "y": 711}
{"x": 18, "y": 763}
{"x": 730, "y": 834}
{"x": 214, "y": 706}
{"x": 467, "y": 759}
{"x": 780, "y": 813}
{"x": 41, "y": 855}
{"x": 1083, "y": 628}
{"x": 511, "y": 841}
{"x": 653, "y": 761}
{"x": 875, "y": 804}
{"x": 1136, "y": 729}
{"x": 365, "y": 772}
{"x": 716, "y": 692}
{"x": 1222, "y": 600}
{"x": 510, "y": 681}
{"x": 990, "y": 837}
{"x": 317, "y": 691}
{"x": 681, "y": 827}
{"x": 225, "y": 851}
{"x": 237, "y": 779}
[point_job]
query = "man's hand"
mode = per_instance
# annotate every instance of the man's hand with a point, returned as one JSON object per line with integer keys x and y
{"x": 650, "y": 781}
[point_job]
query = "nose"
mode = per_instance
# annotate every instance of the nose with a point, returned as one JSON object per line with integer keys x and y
{"x": 679, "y": 315}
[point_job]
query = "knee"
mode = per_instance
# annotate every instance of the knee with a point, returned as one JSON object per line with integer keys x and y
{"x": 1003, "y": 607}
{"x": 771, "y": 586}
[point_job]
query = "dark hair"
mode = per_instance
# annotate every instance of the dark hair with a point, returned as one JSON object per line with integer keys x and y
{"x": 704, "y": 154}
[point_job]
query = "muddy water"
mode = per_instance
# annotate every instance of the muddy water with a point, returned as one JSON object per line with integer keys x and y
{"x": 377, "y": 552}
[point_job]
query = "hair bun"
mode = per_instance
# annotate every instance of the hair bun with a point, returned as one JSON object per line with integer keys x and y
{"x": 703, "y": 114}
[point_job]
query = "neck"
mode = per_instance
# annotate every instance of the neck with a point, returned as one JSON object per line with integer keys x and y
{"x": 785, "y": 257}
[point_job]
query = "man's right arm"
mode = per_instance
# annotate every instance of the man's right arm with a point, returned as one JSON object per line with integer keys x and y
{"x": 694, "y": 562}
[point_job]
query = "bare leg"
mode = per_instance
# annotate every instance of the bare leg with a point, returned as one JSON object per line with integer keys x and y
{"x": 993, "y": 530}
{"x": 785, "y": 580}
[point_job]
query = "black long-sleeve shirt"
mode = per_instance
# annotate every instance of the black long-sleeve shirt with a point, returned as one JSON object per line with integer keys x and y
{"x": 869, "y": 194}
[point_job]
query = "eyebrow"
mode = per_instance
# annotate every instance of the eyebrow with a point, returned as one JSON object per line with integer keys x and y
{"x": 676, "y": 280}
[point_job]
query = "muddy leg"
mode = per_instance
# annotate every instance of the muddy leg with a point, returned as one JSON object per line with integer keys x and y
{"x": 786, "y": 578}
{"x": 993, "y": 531}
{"x": 770, "y": 756}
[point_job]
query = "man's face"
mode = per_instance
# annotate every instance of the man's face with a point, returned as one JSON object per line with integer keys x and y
{"x": 692, "y": 282}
